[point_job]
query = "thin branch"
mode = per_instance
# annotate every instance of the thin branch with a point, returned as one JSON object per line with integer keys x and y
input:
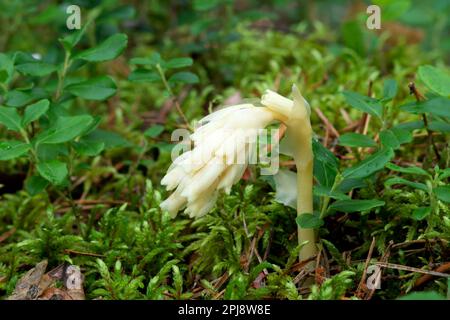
{"x": 419, "y": 97}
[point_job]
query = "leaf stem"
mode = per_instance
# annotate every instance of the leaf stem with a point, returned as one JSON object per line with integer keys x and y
{"x": 419, "y": 97}
{"x": 62, "y": 75}
{"x": 175, "y": 99}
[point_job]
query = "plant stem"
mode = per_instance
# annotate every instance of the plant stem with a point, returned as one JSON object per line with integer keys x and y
{"x": 62, "y": 75}
{"x": 300, "y": 132}
{"x": 419, "y": 97}
{"x": 175, "y": 99}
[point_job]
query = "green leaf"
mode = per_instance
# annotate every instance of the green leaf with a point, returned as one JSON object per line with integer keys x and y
{"x": 438, "y": 80}
{"x": 154, "y": 131}
{"x": 111, "y": 139}
{"x": 389, "y": 89}
{"x": 36, "y": 69}
{"x": 389, "y": 139}
{"x": 356, "y": 205}
{"x": 153, "y": 60}
{"x": 99, "y": 88}
{"x": 397, "y": 180}
{"x": 45, "y": 152}
{"x": 16, "y": 98}
{"x": 402, "y": 135}
{"x": 70, "y": 41}
{"x": 364, "y": 103}
{"x": 356, "y": 140}
{"x": 89, "y": 148}
{"x": 309, "y": 221}
{"x": 143, "y": 75}
{"x": 443, "y": 193}
{"x": 204, "y": 5}
{"x": 34, "y": 111}
{"x": 10, "y": 118}
{"x": 439, "y": 106}
{"x": 183, "y": 77}
{"x": 54, "y": 171}
{"x": 439, "y": 126}
{"x": 410, "y": 170}
{"x": 178, "y": 63}
{"x": 65, "y": 129}
{"x": 370, "y": 165}
{"x": 109, "y": 49}
{"x": 421, "y": 213}
{"x": 326, "y": 165}
{"x": 323, "y": 191}
{"x": 13, "y": 149}
{"x": 424, "y": 295}
{"x": 35, "y": 185}
{"x": 6, "y": 68}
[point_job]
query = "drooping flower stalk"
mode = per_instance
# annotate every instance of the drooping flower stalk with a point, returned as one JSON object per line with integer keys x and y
{"x": 198, "y": 175}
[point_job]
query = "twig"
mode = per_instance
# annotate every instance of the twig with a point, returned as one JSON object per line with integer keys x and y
{"x": 327, "y": 122}
{"x": 7, "y": 234}
{"x": 366, "y": 265}
{"x": 90, "y": 254}
{"x": 383, "y": 259}
{"x": 429, "y": 274}
{"x": 419, "y": 97}
{"x": 412, "y": 269}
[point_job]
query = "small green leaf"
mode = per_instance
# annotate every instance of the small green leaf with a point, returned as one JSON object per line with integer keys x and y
{"x": 6, "y": 68}
{"x": 46, "y": 152}
{"x": 109, "y": 49}
{"x": 389, "y": 89}
{"x": 397, "y": 180}
{"x": 153, "y": 60}
{"x": 364, "y": 103}
{"x": 356, "y": 205}
{"x": 10, "y": 118}
{"x": 410, "y": 170}
{"x": 326, "y": 164}
{"x": 178, "y": 63}
{"x": 54, "y": 171}
{"x": 17, "y": 98}
{"x": 89, "y": 148}
{"x": 389, "y": 139}
{"x": 421, "y": 213}
{"x": 34, "y": 111}
{"x": 356, "y": 140}
{"x": 309, "y": 221}
{"x": 402, "y": 135}
{"x": 204, "y": 5}
{"x": 439, "y": 106}
{"x": 184, "y": 77}
{"x": 424, "y": 295}
{"x": 438, "y": 80}
{"x": 443, "y": 193}
{"x": 99, "y": 88}
{"x": 323, "y": 191}
{"x": 70, "y": 41}
{"x": 65, "y": 129}
{"x": 36, "y": 69}
{"x": 143, "y": 75}
{"x": 439, "y": 126}
{"x": 111, "y": 139}
{"x": 154, "y": 131}
{"x": 35, "y": 185}
{"x": 370, "y": 165}
{"x": 13, "y": 149}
